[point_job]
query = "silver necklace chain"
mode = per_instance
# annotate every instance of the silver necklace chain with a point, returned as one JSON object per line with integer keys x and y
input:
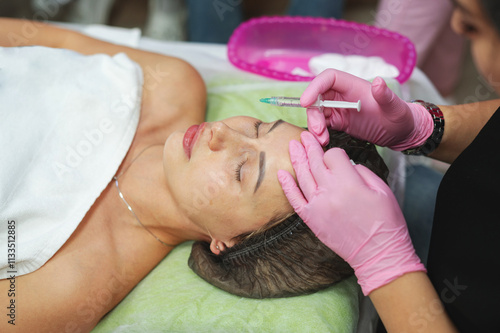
{"x": 115, "y": 178}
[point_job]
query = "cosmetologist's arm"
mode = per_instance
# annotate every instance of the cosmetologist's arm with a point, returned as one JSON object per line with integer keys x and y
{"x": 410, "y": 304}
{"x": 462, "y": 124}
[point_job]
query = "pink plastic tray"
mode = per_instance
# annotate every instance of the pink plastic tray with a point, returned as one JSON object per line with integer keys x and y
{"x": 273, "y": 46}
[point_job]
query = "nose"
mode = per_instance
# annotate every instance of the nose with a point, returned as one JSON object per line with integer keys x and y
{"x": 224, "y": 137}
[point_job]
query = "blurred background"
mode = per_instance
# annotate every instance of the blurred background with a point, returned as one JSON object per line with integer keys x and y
{"x": 133, "y": 13}
{"x": 214, "y": 20}
{"x": 139, "y": 13}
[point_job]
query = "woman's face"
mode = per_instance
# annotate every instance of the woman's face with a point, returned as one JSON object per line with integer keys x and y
{"x": 223, "y": 175}
{"x": 469, "y": 20}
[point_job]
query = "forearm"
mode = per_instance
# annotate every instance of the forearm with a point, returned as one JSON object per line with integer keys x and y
{"x": 410, "y": 304}
{"x": 462, "y": 124}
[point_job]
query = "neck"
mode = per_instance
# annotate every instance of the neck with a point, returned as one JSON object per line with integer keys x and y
{"x": 144, "y": 187}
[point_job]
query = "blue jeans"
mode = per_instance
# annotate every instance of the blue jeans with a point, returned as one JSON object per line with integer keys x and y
{"x": 422, "y": 184}
{"x": 213, "y": 21}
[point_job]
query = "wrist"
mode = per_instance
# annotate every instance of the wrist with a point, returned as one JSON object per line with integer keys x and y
{"x": 384, "y": 273}
{"x": 432, "y": 132}
{"x": 391, "y": 260}
{"x": 423, "y": 127}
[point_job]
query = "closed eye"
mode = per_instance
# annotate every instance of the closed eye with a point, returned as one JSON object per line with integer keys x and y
{"x": 237, "y": 175}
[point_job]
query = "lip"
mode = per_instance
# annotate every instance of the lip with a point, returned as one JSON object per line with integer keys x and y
{"x": 190, "y": 137}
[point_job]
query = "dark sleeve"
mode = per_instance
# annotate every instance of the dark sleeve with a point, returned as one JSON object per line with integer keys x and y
{"x": 464, "y": 254}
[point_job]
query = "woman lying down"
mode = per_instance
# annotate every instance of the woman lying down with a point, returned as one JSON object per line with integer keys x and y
{"x": 105, "y": 214}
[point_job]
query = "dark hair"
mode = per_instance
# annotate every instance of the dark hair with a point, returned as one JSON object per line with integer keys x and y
{"x": 492, "y": 10}
{"x": 287, "y": 259}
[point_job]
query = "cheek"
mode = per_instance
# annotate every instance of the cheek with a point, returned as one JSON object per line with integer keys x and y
{"x": 274, "y": 203}
{"x": 493, "y": 69}
{"x": 283, "y": 204}
{"x": 210, "y": 194}
{"x": 225, "y": 223}
{"x": 480, "y": 53}
{"x": 487, "y": 64}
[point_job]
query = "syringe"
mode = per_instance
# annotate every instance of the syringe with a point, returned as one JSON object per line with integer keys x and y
{"x": 295, "y": 103}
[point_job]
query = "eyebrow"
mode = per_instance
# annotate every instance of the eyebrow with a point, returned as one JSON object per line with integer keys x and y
{"x": 262, "y": 159}
{"x": 262, "y": 169}
{"x": 279, "y": 122}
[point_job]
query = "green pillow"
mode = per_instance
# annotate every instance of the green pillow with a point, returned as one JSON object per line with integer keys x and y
{"x": 174, "y": 299}
{"x": 235, "y": 96}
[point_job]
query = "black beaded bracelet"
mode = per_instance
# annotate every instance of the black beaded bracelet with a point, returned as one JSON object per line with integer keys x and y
{"x": 437, "y": 134}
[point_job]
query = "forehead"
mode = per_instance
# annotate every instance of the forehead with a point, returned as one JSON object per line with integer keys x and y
{"x": 284, "y": 134}
{"x": 240, "y": 120}
{"x": 273, "y": 143}
{"x": 275, "y": 147}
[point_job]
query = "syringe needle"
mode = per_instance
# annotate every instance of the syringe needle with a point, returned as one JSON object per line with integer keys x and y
{"x": 295, "y": 102}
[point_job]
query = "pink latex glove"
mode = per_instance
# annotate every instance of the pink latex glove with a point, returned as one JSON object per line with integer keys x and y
{"x": 384, "y": 119}
{"x": 352, "y": 211}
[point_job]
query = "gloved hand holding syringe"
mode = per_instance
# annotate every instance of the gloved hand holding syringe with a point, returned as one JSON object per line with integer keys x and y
{"x": 320, "y": 103}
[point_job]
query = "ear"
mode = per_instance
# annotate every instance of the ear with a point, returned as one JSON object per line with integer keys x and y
{"x": 217, "y": 246}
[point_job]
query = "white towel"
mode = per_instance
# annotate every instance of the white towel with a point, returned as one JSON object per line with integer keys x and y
{"x": 364, "y": 67}
{"x": 66, "y": 123}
